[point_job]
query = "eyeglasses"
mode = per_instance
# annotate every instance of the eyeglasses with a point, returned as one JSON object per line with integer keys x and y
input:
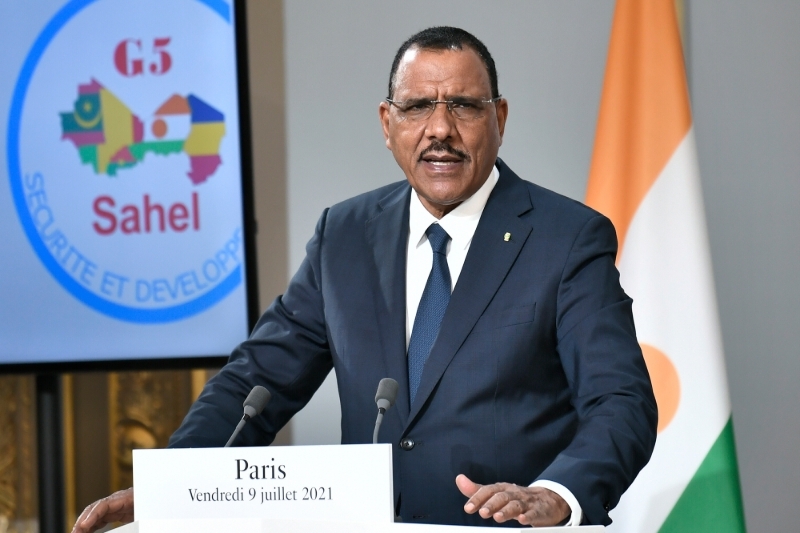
{"x": 462, "y": 107}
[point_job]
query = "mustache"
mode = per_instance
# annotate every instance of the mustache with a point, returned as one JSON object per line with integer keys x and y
{"x": 439, "y": 146}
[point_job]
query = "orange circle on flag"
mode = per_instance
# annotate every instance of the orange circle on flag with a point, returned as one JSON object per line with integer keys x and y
{"x": 159, "y": 128}
{"x": 666, "y": 384}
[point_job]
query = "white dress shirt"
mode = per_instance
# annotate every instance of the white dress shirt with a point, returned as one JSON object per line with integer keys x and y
{"x": 460, "y": 224}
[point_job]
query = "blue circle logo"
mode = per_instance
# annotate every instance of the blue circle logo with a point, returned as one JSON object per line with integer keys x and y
{"x": 129, "y": 195}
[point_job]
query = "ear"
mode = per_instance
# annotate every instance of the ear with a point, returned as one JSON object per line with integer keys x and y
{"x": 383, "y": 113}
{"x": 502, "y": 115}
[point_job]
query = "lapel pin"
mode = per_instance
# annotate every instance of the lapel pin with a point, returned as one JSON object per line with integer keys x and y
{"x": 507, "y": 237}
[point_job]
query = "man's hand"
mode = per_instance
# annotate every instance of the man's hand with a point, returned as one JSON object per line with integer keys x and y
{"x": 534, "y": 506}
{"x": 115, "y": 508}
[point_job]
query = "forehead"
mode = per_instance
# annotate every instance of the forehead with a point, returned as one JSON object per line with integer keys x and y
{"x": 441, "y": 73}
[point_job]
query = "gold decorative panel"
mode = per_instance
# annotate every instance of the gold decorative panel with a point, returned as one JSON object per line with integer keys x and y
{"x": 145, "y": 409}
{"x": 18, "y": 512}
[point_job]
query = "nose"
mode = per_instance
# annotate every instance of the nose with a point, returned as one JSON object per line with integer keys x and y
{"x": 441, "y": 124}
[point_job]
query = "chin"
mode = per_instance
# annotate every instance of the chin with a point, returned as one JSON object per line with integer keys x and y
{"x": 449, "y": 201}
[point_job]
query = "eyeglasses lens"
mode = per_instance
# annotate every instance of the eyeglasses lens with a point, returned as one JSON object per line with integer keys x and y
{"x": 461, "y": 108}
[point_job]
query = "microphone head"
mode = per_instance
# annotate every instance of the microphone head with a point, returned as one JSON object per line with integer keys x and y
{"x": 256, "y": 401}
{"x": 387, "y": 393}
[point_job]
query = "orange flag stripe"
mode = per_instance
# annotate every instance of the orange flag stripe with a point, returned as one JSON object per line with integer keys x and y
{"x": 644, "y": 109}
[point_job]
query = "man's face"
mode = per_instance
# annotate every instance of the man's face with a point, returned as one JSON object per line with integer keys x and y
{"x": 444, "y": 158}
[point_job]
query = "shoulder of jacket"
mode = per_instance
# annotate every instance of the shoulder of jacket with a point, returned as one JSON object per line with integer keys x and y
{"x": 367, "y": 205}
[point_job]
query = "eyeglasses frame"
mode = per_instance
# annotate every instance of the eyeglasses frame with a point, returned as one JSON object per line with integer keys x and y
{"x": 448, "y": 103}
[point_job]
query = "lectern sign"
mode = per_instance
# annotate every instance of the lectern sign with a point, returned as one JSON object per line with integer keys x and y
{"x": 316, "y": 482}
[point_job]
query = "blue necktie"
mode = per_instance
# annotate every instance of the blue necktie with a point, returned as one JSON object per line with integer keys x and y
{"x": 431, "y": 309}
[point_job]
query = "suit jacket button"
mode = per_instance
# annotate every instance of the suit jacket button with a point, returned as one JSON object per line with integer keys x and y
{"x": 407, "y": 444}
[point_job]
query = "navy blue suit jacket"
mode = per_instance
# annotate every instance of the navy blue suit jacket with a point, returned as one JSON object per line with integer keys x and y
{"x": 536, "y": 372}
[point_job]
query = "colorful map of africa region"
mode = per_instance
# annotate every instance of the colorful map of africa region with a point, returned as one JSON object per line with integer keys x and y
{"x": 109, "y": 137}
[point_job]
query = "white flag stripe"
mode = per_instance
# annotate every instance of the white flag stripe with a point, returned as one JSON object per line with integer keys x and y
{"x": 666, "y": 268}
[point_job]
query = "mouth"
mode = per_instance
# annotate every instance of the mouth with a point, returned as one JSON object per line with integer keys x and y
{"x": 443, "y": 156}
{"x": 441, "y": 161}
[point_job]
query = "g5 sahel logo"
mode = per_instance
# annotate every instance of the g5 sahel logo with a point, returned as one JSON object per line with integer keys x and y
{"x": 129, "y": 190}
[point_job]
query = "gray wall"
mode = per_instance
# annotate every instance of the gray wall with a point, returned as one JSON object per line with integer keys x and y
{"x": 743, "y": 59}
{"x": 745, "y": 81}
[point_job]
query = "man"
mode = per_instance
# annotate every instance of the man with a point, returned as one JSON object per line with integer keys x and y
{"x": 493, "y": 302}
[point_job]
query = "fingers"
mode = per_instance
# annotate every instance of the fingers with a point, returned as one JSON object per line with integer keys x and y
{"x": 89, "y": 520}
{"x": 466, "y": 485}
{"x": 502, "y": 501}
{"x": 479, "y": 495}
{"x": 534, "y": 506}
{"x": 79, "y": 523}
{"x": 510, "y": 511}
{"x": 115, "y": 508}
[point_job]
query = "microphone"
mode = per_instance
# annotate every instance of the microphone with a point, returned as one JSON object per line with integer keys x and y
{"x": 385, "y": 397}
{"x": 253, "y": 405}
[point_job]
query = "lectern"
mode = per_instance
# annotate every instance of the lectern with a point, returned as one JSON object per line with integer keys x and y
{"x": 335, "y": 489}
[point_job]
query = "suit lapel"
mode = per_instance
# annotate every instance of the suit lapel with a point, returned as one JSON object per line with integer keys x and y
{"x": 387, "y": 234}
{"x": 488, "y": 261}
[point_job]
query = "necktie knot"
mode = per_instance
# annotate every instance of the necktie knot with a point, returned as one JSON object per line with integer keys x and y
{"x": 438, "y": 238}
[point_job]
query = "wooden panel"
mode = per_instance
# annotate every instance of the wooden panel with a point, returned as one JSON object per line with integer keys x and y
{"x": 18, "y": 505}
{"x": 90, "y": 430}
{"x": 145, "y": 408}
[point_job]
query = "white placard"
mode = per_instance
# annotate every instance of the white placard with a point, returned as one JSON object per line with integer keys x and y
{"x": 351, "y": 482}
{"x": 253, "y": 525}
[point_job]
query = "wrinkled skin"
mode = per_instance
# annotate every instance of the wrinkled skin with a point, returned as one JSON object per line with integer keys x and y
{"x": 531, "y": 506}
{"x": 115, "y": 508}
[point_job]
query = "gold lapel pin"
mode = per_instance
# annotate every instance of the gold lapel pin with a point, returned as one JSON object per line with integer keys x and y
{"x": 507, "y": 237}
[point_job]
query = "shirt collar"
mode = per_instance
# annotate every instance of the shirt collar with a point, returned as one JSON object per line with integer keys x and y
{"x": 460, "y": 223}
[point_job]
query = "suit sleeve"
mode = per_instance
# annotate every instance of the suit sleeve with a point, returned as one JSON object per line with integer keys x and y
{"x": 287, "y": 353}
{"x": 609, "y": 383}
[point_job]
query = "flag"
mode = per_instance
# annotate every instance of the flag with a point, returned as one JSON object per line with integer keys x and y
{"x": 644, "y": 177}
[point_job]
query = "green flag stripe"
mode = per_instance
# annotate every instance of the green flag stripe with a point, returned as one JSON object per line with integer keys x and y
{"x": 712, "y": 502}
